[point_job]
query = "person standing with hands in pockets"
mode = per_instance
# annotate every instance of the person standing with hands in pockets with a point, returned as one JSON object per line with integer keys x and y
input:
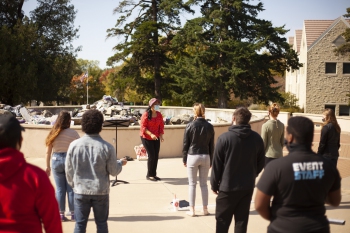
{"x": 151, "y": 133}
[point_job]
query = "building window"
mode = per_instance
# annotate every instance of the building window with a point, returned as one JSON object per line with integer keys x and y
{"x": 344, "y": 110}
{"x": 339, "y": 41}
{"x": 331, "y": 67}
{"x": 330, "y": 106}
{"x": 346, "y": 68}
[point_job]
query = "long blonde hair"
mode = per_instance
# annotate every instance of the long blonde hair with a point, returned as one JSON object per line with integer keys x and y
{"x": 62, "y": 122}
{"x": 199, "y": 110}
{"x": 274, "y": 109}
{"x": 330, "y": 118}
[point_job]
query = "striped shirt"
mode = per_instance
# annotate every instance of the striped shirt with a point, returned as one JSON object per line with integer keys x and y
{"x": 62, "y": 141}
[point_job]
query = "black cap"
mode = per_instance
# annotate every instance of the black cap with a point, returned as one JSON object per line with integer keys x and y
{"x": 10, "y": 131}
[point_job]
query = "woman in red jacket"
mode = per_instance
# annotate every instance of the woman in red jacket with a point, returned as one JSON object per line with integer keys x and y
{"x": 151, "y": 132}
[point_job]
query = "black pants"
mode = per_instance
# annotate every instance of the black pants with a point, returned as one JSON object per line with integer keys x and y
{"x": 152, "y": 148}
{"x": 229, "y": 204}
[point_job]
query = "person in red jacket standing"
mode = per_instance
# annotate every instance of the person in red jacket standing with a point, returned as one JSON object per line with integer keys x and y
{"x": 151, "y": 133}
{"x": 27, "y": 198}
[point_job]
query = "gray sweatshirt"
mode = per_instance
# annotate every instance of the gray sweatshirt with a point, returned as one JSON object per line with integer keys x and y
{"x": 89, "y": 162}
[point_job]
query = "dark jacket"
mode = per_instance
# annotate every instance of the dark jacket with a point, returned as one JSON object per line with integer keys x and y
{"x": 198, "y": 139}
{"x": 329, "y": 141}
{"x": 239, "y": 157}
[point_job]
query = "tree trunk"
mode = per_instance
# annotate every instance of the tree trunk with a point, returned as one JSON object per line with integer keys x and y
{"x": 222, "y": 100}
{"x": 157, "y": 76}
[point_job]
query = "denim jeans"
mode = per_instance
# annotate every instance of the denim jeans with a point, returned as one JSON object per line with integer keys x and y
{"x": 62, "y": 187}
{"x": 197, "y": 163}
{"x": 100, "y": 206}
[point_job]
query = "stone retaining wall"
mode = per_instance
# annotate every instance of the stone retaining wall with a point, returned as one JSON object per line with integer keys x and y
{"x": 127, "y": 138}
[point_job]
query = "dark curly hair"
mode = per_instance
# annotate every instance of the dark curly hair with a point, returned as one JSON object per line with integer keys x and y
{"x": 91, "y": 122}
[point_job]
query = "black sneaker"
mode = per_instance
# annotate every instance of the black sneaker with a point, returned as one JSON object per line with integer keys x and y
{"x": 157, "y": 178}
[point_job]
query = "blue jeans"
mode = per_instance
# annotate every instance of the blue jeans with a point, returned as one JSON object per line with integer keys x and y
{"x": 62, "y": 187}
{"x": 100, "y": 206}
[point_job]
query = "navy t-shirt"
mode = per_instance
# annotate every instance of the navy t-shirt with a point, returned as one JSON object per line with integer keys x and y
{"x": 299, "y": 184}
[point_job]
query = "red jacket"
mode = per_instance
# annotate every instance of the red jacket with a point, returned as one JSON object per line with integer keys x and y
{"x": 155, "y": 125}
{"x": 27, "y": 197}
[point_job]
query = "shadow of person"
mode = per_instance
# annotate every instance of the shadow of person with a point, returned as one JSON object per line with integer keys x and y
{"x": 144, "y": 218}
{"x": 176, "y": 181}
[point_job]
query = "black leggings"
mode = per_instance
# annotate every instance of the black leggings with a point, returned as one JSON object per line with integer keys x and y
{"x": 152, "y": 148}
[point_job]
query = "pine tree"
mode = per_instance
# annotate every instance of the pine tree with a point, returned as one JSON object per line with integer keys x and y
{"x": 145, "y": 42}
{"x": 228, "y": 49}
{"x": 37, "y": 57}
{"x": 345, "y": 48}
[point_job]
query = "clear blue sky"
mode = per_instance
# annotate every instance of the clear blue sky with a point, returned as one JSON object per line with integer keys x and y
{"x": 95, "y": 16}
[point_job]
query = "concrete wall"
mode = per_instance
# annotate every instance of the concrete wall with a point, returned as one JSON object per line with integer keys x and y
{"x": 343, "y": 121}
{"x": 325, "y": 88}
{"x": 128, "y": 137}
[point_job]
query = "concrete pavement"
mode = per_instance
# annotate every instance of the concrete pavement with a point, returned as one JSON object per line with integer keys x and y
{"x": 144, "y": 206}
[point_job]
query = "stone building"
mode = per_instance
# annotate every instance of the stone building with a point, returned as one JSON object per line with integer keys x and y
{"x": 324, "y": 79}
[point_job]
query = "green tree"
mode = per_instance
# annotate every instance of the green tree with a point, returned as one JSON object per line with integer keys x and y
{"x": 345, "y": 48}
{"x": 38, "y": 59}
{"x": 289, "y": 100}
{"x": 221, "y": 52}
{"x": 145, "y": 41}
{"x": 87, "y": 74}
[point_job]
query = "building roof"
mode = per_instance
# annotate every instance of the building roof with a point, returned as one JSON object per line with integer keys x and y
{"x": 314, "y": 29}
{"x": 325, "y": 31}
{"x": 291, "y": 40}
{"x": 298, "y": 34}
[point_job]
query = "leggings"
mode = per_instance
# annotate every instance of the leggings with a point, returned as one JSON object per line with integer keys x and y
{"x": 197, "y": 163}
{"x": 152, "y": 147}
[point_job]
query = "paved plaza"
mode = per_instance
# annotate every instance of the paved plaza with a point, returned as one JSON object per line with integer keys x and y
{"x": 144, "y": 206}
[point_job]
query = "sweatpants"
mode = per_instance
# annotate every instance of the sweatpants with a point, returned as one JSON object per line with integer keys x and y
{"x": 197, "y": 163}
{"x": 229, "y": 204}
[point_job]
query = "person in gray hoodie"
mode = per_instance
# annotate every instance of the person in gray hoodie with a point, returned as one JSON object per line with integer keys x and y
{"x": 89, "y": 163}
{"x": 272, "y": 133}
{"x": 238, "y": 159}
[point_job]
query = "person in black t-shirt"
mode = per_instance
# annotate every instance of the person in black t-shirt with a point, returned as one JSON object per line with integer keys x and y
{"x": 300, "y": 183}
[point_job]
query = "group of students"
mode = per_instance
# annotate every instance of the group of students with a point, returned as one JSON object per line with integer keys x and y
{"x": 81, "y": 167}
{"x": 299, "y": 183}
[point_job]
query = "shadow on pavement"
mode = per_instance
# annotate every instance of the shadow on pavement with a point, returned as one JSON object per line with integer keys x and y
{"x": 175, "y": 181}
{"x": 338, "y": 207}
{"x": 253, "y": 212}
{"x": 143, "y": 218}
